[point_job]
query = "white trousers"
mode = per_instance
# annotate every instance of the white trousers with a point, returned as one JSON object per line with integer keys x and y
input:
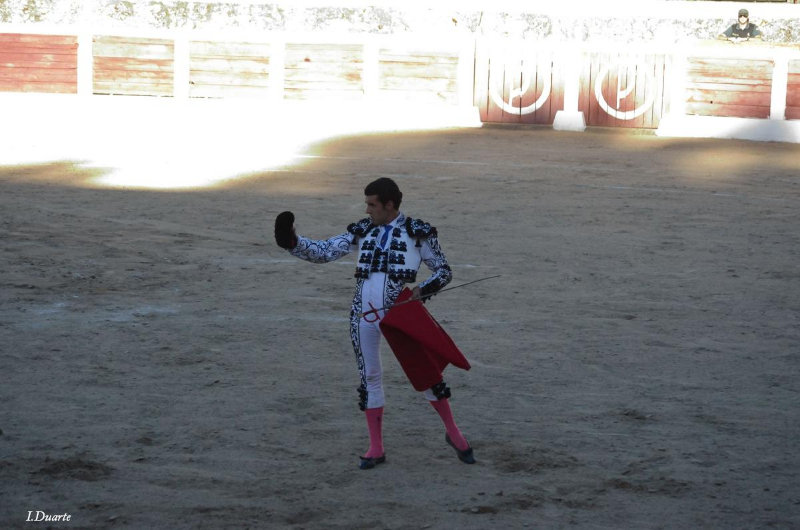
{"x": 372, "y": 297}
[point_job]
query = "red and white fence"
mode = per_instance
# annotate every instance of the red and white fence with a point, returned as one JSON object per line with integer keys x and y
{"x": 508, "y": 82}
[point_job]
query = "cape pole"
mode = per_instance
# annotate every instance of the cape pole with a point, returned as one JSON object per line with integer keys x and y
{"x": 361, "y": 315}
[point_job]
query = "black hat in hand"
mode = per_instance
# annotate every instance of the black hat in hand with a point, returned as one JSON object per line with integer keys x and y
{"x": 284, "y": 230}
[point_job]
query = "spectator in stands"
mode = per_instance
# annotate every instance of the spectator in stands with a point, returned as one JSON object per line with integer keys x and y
{"x": 742, "y": 31}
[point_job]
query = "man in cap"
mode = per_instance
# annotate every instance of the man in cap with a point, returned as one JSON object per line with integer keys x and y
{"x": 743, "y": 30}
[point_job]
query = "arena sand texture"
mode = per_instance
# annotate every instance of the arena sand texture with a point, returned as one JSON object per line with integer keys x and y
{"x": 165, "y": 365}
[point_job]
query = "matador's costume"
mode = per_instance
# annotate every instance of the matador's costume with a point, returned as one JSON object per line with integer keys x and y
{"x": 389, "y": 257}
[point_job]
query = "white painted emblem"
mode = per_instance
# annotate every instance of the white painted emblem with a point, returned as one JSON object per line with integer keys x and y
{"x": 514, "y": 93}
{"x": 622, "y": 93}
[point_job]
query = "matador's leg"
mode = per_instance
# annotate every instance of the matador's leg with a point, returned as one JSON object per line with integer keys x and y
{"x": 366, "y": 344}
{"x": 438, "y": 396}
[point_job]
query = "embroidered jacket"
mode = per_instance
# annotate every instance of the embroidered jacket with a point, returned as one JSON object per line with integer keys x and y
{"x": 412, "y": 242}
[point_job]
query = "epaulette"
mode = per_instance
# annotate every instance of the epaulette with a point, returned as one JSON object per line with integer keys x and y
{"x": 360, "y": 228}
{"x": 419, "y": 229}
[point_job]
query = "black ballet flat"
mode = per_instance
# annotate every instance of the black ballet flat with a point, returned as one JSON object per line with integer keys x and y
{"x": 465, "y": 456}
{"x": 369, "y": 463}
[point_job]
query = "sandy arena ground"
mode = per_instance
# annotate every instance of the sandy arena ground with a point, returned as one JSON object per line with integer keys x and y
{"x": 165, "y": 365}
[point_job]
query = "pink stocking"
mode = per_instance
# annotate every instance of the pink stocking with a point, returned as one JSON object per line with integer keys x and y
{"x": 375, "y": 423}
{"x": 443, "y": 408}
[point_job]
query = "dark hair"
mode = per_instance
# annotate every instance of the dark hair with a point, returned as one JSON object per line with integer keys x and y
{"x": 386, "y": 189}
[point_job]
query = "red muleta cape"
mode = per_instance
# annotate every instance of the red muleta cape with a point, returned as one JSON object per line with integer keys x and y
{"x": 420, "y": 344}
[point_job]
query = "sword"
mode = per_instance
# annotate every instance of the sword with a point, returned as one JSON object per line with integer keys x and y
{"x": 363, "y": 313}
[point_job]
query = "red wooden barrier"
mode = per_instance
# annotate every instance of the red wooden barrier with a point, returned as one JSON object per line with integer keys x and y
{"x": 793, "y": 91}
{"x": 428, "y": 76}
{"x": 729, "y": 87}
{"x": 38, "y": 63}
{"x": 525, "y": 89}
{"x": 324, "y": 71}
{"x": 133, "y": 66}
{"x": 624, "y": 90}
{"x": 228, "y": 69}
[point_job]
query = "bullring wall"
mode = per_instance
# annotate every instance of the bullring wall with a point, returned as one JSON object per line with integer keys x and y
{"x": 619, "y": 64}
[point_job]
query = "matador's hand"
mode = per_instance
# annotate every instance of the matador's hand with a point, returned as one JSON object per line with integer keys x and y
{"x": 285, "y": 235}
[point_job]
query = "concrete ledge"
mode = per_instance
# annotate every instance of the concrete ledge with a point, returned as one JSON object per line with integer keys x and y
{"x": 730, "y": 128}
{"x": 569, "y": 121}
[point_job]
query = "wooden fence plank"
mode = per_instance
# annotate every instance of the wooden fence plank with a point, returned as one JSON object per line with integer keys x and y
{"x": 594, "y": 106}
{"x": 420, "y": 54}
{"x": 38, "y": 61}
{"x": 115, "y": 63}
{"x": 661, "y": 90}
{"x": 124, "y": 40}
{"x": 584, "y": 87}
{"x": 557, "y": 89}
{"x": 298, "y": 55}
{"x": 730, "y": 65}
{"x": 136, "y": 52}
{"x": 139, "y": 48}
{"x": 481, "y": 83}
{"x": 228, "y": 50}
{"x": 793, "y": 113}
{"x": 627, "y": 79}
{"x": 729, "y": 80}
{"x": 145, "y": 76}
{"x": 410, "y": 83}
{"x": 324, "y": 68}
{"x": 68, "y": 51}
{"x": 540, "y": 73}
{"x": 737, "y": 111}
{"x": 513, "y": 78}
{"x": 233, "y": 79}
{"x": 635, "y": 76}
{"x": 324, "y": 47}
{"x": 346, "y": 77}
{"x": 723, "y": 97}
{"x": 497, "y": 79}
{"x": 300, "y": 84}
{"x": 609, "y": 89}
{"x": 544, "y": 77}
{"x": 530, "y": 71}
{"x": 24, "y": 38}
{"x": 133, "y": 89}
{"x": 418, "y": 70}
{"x": 793, "y": 97}
{"x": 39, "y": 75}
{"x": 49, "y": 88}
{"x": 729, "y": 87}
{"x": 307, "y": 68}
{"x": 390, "y": 58}
{"x": 667, "y": 72}
{"x": 229, "y": 65}
{"x": 645, "y": 87}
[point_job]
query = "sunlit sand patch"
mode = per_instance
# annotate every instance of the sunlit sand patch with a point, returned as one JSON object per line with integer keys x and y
{"x": 159, "y": 143}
